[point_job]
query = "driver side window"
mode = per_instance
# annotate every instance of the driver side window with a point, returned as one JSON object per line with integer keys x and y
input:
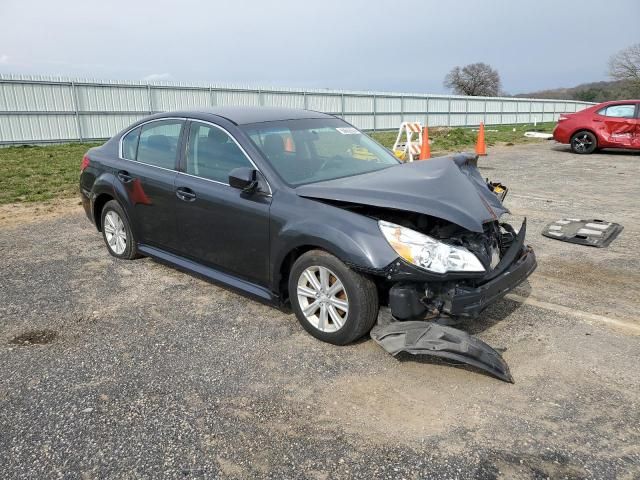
{"x": 212, "y": 153}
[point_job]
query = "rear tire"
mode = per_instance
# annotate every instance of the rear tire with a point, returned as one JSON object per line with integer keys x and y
{"x": 341, "y": 305}
{"x": 584, "y": 142}
{"x": 116, "y": 232}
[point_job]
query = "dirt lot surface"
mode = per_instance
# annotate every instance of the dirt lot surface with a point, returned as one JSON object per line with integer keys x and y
{"x": 113, "y": 369}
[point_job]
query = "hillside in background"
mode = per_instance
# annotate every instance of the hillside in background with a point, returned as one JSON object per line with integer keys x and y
{"x": 589, "y": 92}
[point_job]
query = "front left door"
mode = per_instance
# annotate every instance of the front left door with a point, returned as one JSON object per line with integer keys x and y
{"x": 218, "y": 225}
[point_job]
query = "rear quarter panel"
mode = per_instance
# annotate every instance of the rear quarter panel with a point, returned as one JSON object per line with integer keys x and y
{"x": 100, "y": 179}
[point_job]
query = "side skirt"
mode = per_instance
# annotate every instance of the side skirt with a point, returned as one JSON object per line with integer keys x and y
{"x": 209, "y": 273}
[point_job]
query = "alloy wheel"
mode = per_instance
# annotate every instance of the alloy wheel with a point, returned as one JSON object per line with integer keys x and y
{"x": 115, "y": 233}
{"x": 582, "y": 143}
{"x": 323, "y": 299}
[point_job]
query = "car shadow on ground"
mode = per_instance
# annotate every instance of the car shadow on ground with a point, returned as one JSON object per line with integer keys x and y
{"x": 497, "y": 312}
{"x": 618, "y": 151}
{"x": 603, "y": 151}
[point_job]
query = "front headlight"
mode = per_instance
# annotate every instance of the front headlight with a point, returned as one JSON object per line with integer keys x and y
{"x": 429, "y": 253}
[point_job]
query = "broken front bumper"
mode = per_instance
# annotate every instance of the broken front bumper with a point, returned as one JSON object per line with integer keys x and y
{"x": 414, "y": 293}
{"x": 469, "y": 302}
{"x": 458, "y": 297}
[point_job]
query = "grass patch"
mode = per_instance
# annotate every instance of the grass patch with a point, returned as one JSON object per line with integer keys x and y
{"x": 446, "y": 140}
{"x": 39, "y": 173}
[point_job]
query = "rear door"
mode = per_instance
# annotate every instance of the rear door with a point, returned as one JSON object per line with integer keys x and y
{"x": 218, "y": 225}
{"x": 147, "y": 170}
{"x": 617, "y": 124}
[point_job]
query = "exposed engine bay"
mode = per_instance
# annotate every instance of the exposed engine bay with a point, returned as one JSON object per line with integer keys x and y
{"x": 411, "y": 300}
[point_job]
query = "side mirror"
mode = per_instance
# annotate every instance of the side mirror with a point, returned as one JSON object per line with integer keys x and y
{"x": 244, "y": 178}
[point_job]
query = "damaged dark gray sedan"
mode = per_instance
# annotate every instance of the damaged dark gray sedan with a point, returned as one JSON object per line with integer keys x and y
{"x": 301, "y": 209}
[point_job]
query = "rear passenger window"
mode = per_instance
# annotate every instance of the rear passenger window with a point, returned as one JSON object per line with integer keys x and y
{"x": 130, "y": 144}
{"x": 619, "y": 111}
{"x": 158, "y": 144}
{"x": 212, "y": 153}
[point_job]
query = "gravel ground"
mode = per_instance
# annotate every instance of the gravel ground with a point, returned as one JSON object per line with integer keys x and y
{"x": 147, "y": 372}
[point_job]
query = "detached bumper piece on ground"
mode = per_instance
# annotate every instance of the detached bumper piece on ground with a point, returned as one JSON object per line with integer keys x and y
{"x": 430, "y": 338}
{"x": 593, "y": 233}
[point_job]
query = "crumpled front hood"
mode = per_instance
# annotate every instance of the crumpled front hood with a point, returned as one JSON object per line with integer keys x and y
{"x": 449, "y": 187}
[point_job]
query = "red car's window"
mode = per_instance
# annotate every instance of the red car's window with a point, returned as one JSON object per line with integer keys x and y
{"x": 618, "y": 111}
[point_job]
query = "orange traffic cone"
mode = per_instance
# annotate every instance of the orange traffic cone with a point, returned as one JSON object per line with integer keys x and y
{"x": 288, "y": 145}
{"x": 425, "y": 148}
{"x": 481, "y": 146}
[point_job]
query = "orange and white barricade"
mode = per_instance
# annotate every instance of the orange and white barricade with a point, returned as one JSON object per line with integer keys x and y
{"x": 408, "y": 142}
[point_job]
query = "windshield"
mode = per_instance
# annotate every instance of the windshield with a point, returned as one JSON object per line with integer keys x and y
{"x": 313, "y": 150}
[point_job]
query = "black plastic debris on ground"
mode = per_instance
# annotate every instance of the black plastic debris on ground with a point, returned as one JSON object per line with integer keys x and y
{"x": 593, "y": 233}
{"x": 431, "y": 338}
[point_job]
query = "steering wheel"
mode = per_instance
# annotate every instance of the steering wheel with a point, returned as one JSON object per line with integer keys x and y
{"x": 334, "y": 159}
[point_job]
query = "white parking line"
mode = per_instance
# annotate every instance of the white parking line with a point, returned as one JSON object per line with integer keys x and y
{"x": 628, "y": 325}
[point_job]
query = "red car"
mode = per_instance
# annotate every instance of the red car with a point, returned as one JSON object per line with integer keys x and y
{"x": 606, "y": 125}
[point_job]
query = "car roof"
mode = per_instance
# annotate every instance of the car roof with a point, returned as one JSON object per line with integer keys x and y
{"x": 245, "y": 115}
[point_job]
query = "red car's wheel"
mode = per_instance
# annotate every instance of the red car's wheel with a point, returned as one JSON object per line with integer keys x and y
{"x": 583, "y": 142}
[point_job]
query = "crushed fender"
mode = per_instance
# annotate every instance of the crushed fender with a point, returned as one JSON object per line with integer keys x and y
{"x": 430, "y": 338}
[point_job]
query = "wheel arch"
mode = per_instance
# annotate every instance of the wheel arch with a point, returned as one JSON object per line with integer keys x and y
{"x": 353, "y": 239}
{"x": 281, "y": 274}
{"x": 577, "y": 130}
{"x": 98, "y": 204}
{"x": 107, "y": 187}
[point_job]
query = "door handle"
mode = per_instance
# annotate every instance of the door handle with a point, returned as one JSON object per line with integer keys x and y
{"x": 595, "y": 120}
{"x": 185, "y": 194}
{"x": 124, "y": 176}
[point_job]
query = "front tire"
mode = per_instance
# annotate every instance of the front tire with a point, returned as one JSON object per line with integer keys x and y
{"x": 116, "y": 232}
{"x": 584, "y": 142}
{"x": 332, "y": 302}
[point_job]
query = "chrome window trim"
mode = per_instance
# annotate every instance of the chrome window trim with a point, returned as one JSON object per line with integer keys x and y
{"x": 142, "y": 125}
{"x": 205, "y": 179}
{"x": 184, "y": 119}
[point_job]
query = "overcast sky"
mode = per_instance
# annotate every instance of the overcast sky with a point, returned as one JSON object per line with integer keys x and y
{"x": 401, "y": 45}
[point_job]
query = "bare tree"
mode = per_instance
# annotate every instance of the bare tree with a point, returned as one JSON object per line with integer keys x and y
{"x": 476, "y": 79}
{"x": 625, "y": 65}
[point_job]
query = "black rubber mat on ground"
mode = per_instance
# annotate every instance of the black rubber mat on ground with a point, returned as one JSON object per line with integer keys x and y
{"x": 593, "y": 233}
